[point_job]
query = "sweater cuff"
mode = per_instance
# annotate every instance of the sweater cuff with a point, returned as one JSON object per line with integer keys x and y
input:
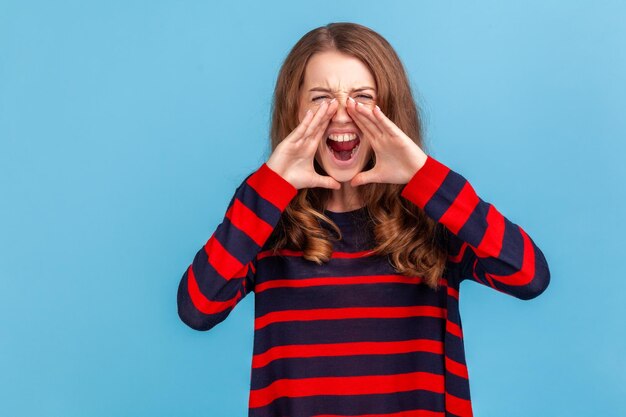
{"x": 425, "y": 182}
{"x": 272, "y": 187}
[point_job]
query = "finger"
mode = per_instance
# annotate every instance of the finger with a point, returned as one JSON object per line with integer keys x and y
{"x": 365, "y": 177}
{"x": 302, "y": 126}
{"x": 366, "y": 113}
{"x": 325, "y": 181}
{"x": 319, "y": 115}
{"x": 365, "y": 125}
{"x": 305, "y": 125}
{"x": 316, "y": 135}
{"x": 385, "y": 122}
{"x": 330, "y": 111}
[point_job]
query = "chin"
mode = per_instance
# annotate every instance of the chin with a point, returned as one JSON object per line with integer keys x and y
{"x": 343, "y": 176}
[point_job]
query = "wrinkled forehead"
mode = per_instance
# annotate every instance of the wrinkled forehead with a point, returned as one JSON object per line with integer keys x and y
{"x": 339, "y": 85}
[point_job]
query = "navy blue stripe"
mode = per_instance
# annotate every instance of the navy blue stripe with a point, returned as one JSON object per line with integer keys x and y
{"x": 356, "y": 365}
{"x": 464, "y": 269}
{"x": 509, "y": 261}
{"x": 538, "y": 285}
{"x": 457, "y": 386}
{"x": 445, "y": 195}
{"x": 352, "y": 405}
{"x": 349, "y": 295}
{"x": 453, "y": 310}
{"x": 506, "y": 263}
{"x": 260, "y": 206}
{"x": 236, "y": 241}
{"x": 191, "y": 316}
{"x": 476, "y": 225}
{"x": 212, "y": 285}
{"x": 455, "y": 349}
{"x": 351, "y": 330}
{"x": 298, "y": 267}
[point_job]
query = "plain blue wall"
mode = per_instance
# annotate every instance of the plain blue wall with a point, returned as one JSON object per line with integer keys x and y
{"x": 125, "y": 128}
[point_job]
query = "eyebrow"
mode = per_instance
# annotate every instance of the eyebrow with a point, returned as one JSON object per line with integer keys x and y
{"x": 326, "y": 90}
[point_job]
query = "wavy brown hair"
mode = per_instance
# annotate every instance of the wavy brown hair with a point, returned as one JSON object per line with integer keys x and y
{"x": 414, "y": 243}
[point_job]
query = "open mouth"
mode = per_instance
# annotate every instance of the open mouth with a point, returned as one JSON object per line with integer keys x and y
{"x": 343, "y": 151}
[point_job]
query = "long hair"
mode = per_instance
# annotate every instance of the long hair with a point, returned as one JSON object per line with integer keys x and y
{"x": 414, "y": 243}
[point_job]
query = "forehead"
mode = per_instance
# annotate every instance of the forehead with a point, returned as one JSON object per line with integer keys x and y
{"x": 336, "y": 71}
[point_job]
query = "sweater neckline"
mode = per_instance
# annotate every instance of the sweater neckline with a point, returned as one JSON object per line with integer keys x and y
{"x": 347, "y": 217}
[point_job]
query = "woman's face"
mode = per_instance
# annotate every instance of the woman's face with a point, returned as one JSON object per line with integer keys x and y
{"x": 332, "y": 74}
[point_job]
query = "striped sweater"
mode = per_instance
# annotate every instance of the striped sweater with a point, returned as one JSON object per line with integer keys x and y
{"x": 352, "y": 337}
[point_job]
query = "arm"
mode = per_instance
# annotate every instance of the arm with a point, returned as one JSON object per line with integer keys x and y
{"x": 223, "y": 270}
{"x": 488, "y": 248}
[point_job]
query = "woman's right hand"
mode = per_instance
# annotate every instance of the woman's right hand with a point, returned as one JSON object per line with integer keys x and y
{"x": 293, "y": 157}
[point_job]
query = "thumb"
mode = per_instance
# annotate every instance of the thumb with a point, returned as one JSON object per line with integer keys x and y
{"x": 361, "y": 178}
{"x": 327, "y": 182}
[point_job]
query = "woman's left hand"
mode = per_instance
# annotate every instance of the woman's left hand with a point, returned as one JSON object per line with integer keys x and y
{"x": 398, "y": 158}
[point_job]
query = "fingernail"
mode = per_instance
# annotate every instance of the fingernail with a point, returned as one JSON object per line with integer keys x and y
{"x": 378, "y": 107}
{"x": 333, "y": 100}
{"x": 351, "y": 99}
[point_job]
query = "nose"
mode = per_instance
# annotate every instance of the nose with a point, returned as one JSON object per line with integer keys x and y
{"x": 341, "y": 114}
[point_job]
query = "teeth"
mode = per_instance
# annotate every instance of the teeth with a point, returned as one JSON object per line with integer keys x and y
{"x": 342, "y": 137}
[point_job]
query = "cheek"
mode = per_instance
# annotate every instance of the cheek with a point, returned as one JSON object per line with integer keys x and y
{"x": 367, "y": 148}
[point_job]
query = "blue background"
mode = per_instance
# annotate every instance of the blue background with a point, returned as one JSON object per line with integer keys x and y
{"x": 125, "y": 128}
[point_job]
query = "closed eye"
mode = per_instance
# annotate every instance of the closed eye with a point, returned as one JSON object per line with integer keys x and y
{"x": 359, "y": 95}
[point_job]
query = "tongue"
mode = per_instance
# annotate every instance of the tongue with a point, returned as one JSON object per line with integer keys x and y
{"x": 343, "y": 150}
{"x": 343, "y": 155}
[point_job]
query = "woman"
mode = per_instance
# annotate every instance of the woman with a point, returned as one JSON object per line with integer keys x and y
{"x": 354, "y": 241}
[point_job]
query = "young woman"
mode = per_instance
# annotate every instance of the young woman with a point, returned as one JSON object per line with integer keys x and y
{"x": 354, "y": 241}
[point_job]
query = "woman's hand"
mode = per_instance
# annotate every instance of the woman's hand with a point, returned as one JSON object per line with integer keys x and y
{"x": 398, "y": 158}
{"x": 293, "y": 157}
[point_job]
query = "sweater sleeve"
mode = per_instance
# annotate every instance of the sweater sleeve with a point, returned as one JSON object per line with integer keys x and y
{"x": 486, "y": 246}
{"x": 223, "y": 270}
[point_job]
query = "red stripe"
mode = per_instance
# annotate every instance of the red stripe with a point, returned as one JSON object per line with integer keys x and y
{"x": 224, "y": 263}
{"x": 351, "y": 280}
{"x": 346, "y": 349}
{"x": 272, "y": 187}
{"x": 296, "y": 253}
{"x": 248, "y": 222}
{"x": 527, "y": 271}
{"x": 347, "y": 313}
{"x": 461, "y": 209}
{"x": 454, "y": 329}
{"x": 458, "y": 406}
{"x": 299, "y": 254}
{"x": 346, "y": 385}
{"x": 202, "y": 303}
{"x": 453, "y": 292}
{"x": 491, "y": 243}
{"x": 456, "y": 368}
{"x": 490, "y": 281}
{"x": 459, "y": 256}
{"x": 408, "y": 413}
{"x": 425, "y": 182}
{"x": 361, "y": 254}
